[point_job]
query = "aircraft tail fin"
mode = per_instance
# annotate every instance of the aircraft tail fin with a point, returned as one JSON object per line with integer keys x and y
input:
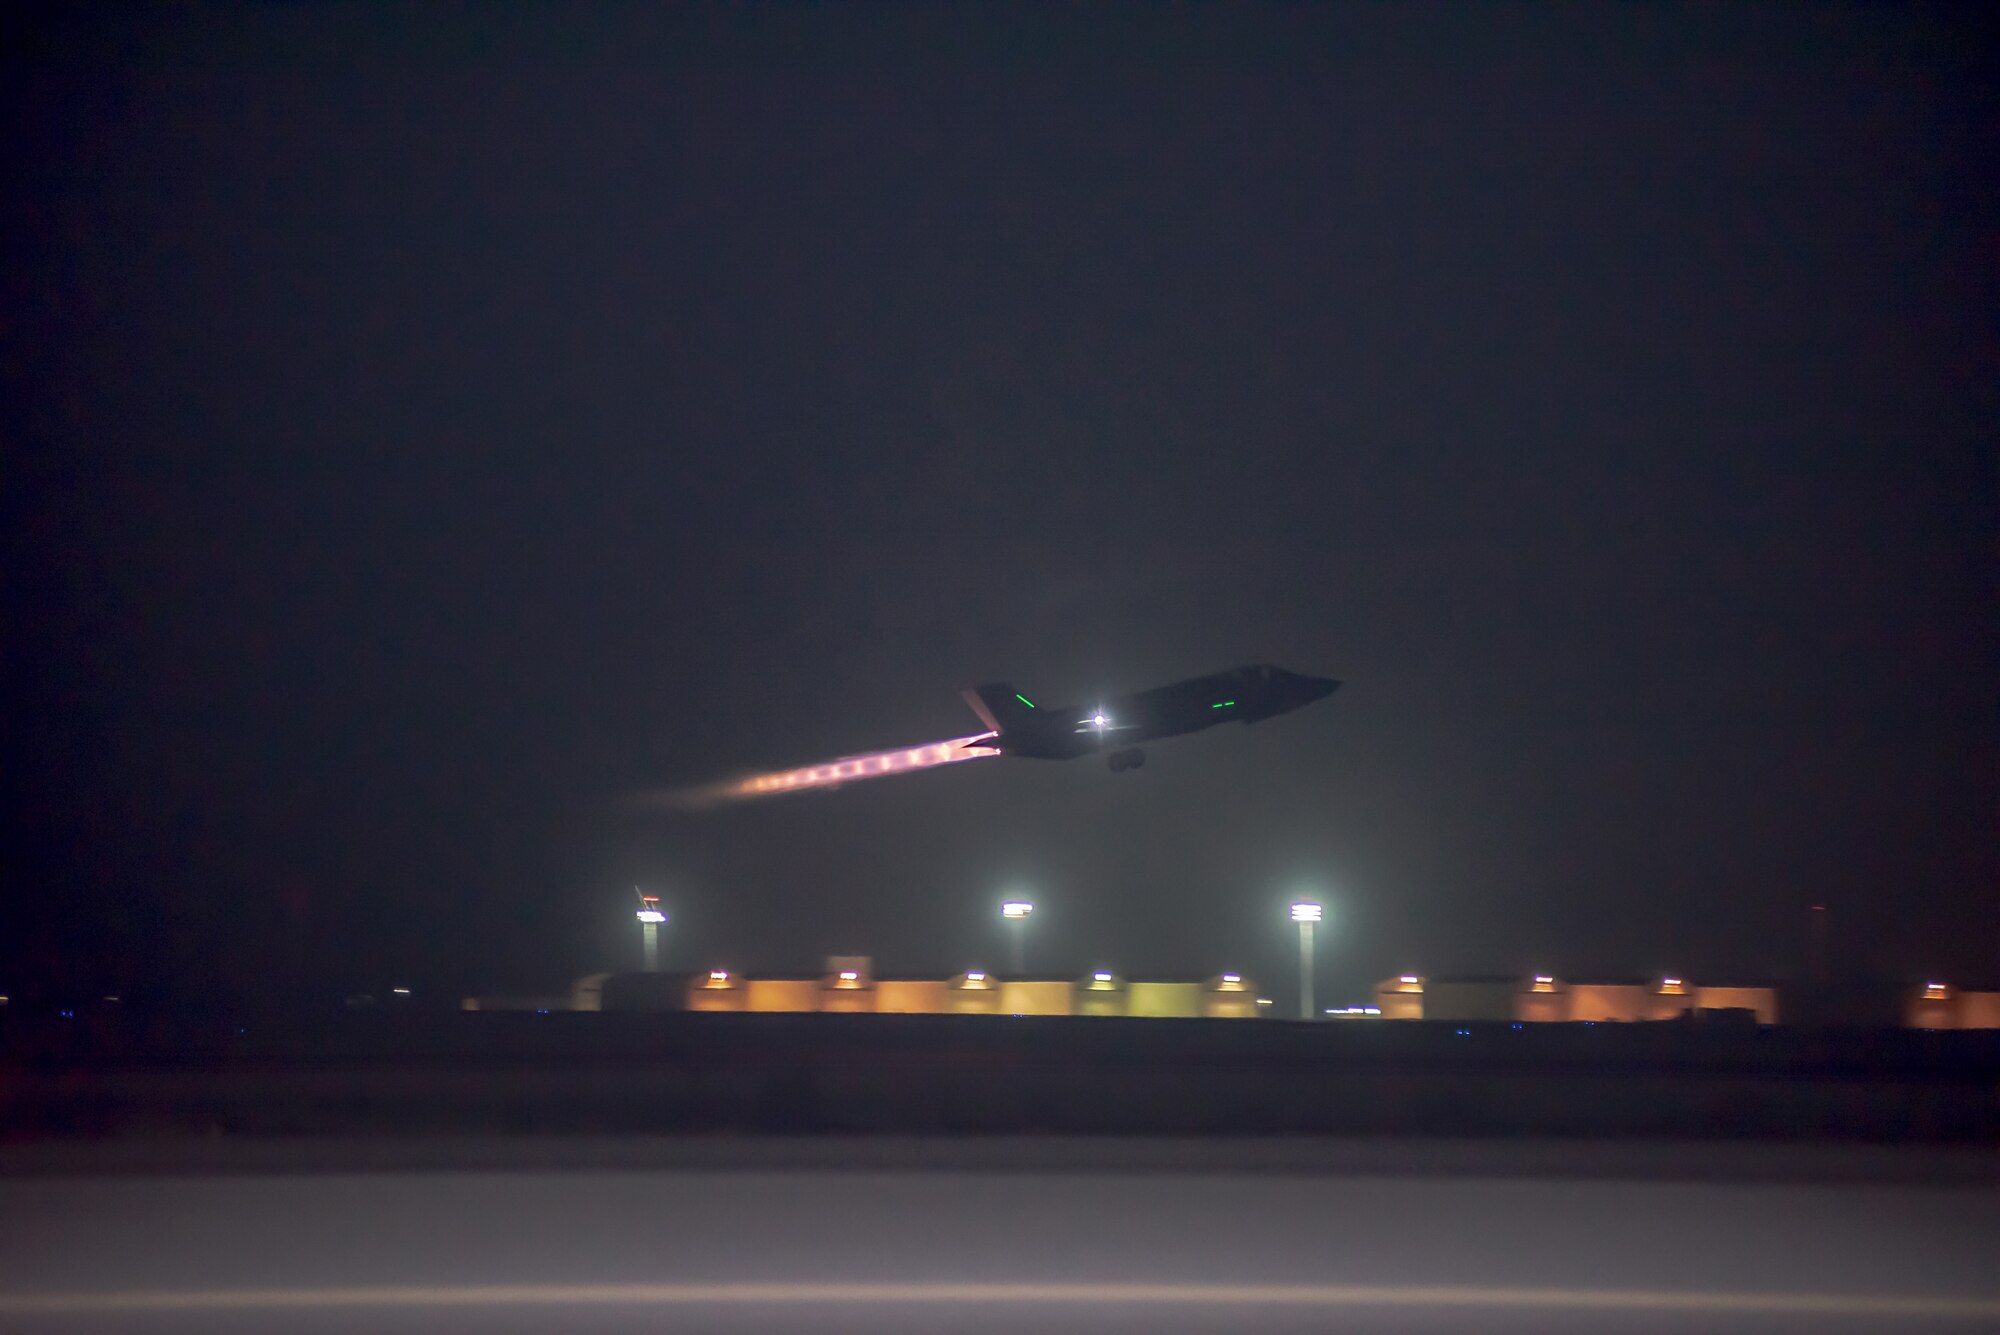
{"x": 999, "y": 705}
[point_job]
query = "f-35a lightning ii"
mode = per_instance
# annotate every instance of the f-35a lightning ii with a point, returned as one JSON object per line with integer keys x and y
{"x": 1113, "y": 728}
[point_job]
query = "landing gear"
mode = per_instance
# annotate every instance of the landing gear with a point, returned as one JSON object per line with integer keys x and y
{"x": 1124, "y": 760}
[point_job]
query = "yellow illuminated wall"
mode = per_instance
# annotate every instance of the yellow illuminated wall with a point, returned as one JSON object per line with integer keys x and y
{"x": 1100, "y": 1000}
{"x": 846, "y": 1000}
{"x": 783, "y": 994}
{"x": 1602, "y": 1002}
{"x": 1952, "y": 1010}
{"x": 910, "y": 996}
{"x": 1398, "y": 1000}
{"x": 1164, "y": 999}
{"x": 1034, "y": 997}
{"x": 1542, "y": 1007}
{"x": 1598, "y": 1002}
{"x": 973, "y": 1000}
{"x": 1979, "y": 1010}
{"x": 1931, "y": 1012}
{"x": 1668, "y": 1006}
{"x": 705, "y": 998}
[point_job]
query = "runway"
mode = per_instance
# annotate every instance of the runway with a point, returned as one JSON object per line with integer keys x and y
{"x": 1368, "y": 1246}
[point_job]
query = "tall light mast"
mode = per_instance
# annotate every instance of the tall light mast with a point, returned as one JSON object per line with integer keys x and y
{"x": 650, "y": 919}
{"x": 1305, "y": 913}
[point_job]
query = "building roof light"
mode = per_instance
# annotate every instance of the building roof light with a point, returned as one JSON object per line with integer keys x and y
{"x": 974, "y": 976}
{"x": 1232, "y": 978}
{"x": 849, "y": 976}
{"x": 718, "y": 975}
{"x": 1932, "y": 992}
{"x": 1016, "y": 908}
{"x": 1263, "y": 1001}
{"x": 1306, "y": 911}
{"x": 1100, "y": 977}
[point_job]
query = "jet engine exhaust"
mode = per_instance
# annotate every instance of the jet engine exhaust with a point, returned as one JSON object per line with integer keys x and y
{"x": 833, "y": 773}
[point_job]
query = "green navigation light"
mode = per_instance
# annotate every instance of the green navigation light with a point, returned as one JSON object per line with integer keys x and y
{"x": 1024, "y": 700}
{"x": 1224, "y": 704}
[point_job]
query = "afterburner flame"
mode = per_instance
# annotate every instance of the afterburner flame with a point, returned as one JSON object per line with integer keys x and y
{"x": 873, "y": 765}
{"x": 826, "y": 774}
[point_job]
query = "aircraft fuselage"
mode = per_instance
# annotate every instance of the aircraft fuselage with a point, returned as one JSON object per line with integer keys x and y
{"x": 1115, "y": 726}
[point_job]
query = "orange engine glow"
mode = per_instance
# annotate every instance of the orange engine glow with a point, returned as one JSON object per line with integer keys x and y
{"x": 873, "y": 765}
{"x": 829, "y": 773}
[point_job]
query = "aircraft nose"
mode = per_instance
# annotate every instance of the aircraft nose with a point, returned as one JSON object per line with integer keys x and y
{"x": 1322, "y": 687}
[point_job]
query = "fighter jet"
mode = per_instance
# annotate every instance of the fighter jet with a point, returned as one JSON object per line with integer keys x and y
{"x": 1113, "y": 728}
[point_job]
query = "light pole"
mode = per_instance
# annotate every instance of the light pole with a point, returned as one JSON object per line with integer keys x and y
{"x": 1305, "y": 913}
{"x": 1016, "y": 912}
{"x": 650, "y": 919}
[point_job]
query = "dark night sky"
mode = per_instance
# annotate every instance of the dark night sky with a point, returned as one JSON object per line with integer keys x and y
{"x": 431, "y": 427}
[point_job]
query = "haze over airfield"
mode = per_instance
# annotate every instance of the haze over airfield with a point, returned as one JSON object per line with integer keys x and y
{"x": 435, "y": 428}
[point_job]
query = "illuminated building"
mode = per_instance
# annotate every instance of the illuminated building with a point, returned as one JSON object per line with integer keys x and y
{"x": 1165, "y": 1000}
{"x": 849, "y": 984}
{"x": 1939, "y": 1005}
{"x": 1230, "y": 996}
{"x": 1401, "y": 997}
{"x": 1100, "y": 993}
{"x": 1547, "y": 999}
